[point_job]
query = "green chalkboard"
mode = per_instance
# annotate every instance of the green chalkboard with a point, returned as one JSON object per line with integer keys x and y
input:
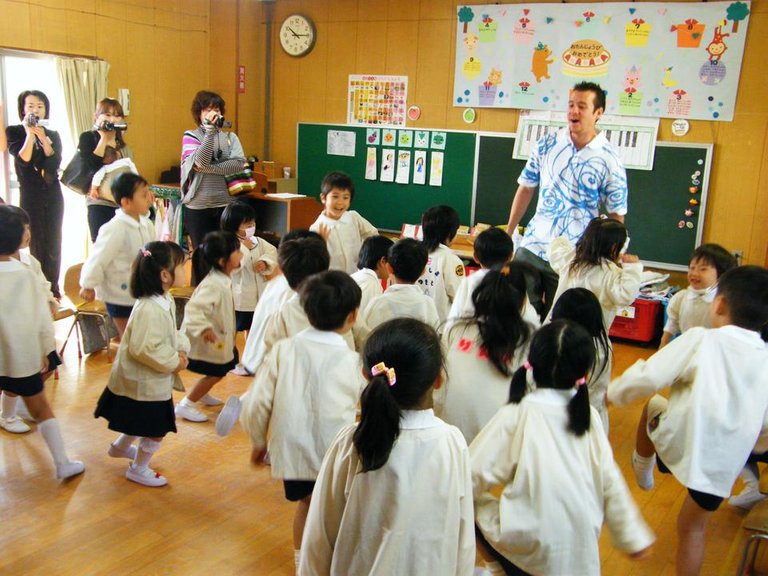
{"x": 388, "y": 205}
{"x": 657, "y": 198}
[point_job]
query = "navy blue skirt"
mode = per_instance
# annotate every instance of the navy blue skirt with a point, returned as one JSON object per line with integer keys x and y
{"x": 134, "y": 417}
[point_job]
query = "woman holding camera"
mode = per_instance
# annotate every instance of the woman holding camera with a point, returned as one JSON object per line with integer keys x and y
{"x": 207, "y": 155}
{"x": 37, "y": 156}
{"x": 102, "y": 145}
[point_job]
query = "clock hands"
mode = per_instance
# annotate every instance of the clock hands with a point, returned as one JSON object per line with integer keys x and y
{"x": 295, "y": 35}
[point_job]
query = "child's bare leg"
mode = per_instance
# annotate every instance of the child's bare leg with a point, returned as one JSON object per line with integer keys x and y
{"x": 120, "y": 324}
{"x": 202, "y": 387}
{"x": 299, "y": 520}
{"x": 38, "y": 407}
{"x": 691, "y": 531}
{"x": 644, "y": 456}
{"x": 643, "y": 444}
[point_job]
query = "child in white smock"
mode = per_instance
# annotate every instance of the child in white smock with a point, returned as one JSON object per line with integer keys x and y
{"x": 343, "y": 229}
{"x": 393, "y": 494}
{"x": 372, "y": 268}
{"x": 137, "y": 400}
{"x": 544, "y": 477}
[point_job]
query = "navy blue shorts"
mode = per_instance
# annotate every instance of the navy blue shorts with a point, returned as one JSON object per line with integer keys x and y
{"x": 26, "y": 386}
{"x": 296, "y": 490}
{"x": 708, "y": 502}
{"x": 243, "y": 320}
{"x": 118, "y": 311}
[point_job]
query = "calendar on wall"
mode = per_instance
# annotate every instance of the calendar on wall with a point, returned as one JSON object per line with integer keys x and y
{"x": 377, "y": 100}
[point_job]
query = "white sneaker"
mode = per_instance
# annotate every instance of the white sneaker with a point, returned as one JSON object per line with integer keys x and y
{"x": 240, "y": 370}
{"x": 747, "y": 498}
{"x": 190, "y": 413}
{"x": 117, "y": 452}
{"x": 228, "y": 416}
{"x": 145, "y": 476}
{"x": 209, "y": 400}
{"x": 14, "y": 424}
{"x": 69, "y": 469}
{"x": 643, "y": 469}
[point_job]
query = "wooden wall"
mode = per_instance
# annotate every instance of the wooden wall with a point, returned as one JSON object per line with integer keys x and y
{"x": 416, "y": 38}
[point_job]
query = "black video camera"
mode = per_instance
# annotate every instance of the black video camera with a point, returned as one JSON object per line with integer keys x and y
{"x": 112, "y": 126}
{"x": 33, "y": 120}
{"x": 220, "y": 122}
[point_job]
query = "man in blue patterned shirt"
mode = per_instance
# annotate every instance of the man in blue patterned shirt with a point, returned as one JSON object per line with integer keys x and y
{"x": 577, "y": 172}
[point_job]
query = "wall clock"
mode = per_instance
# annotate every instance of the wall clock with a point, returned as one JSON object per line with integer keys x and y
{"x": 298, "y": 35}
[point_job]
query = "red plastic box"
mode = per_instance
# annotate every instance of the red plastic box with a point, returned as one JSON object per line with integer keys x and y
{"x": 641, "y": 321}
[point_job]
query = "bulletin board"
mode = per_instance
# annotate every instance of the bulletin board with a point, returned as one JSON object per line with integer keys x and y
{"x": 388, "y": 205}
{"x": 658, "y": 199}
{"x": 656, "y": 59}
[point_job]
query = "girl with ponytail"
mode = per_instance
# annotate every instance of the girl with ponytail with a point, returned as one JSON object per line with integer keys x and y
{"x": 483, "y": 351}
{"x": 399, "y": 471}
{"x": 137, "y": 400}
{"x": 545, "y": 479}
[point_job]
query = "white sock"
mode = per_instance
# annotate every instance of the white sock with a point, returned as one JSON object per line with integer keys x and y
{"x": 124, "y": 441}
{"x": 52, "y": 435}
{"x": 297, "y": 559}
{"x": 186, "y": 402}
{"x": 9, "y": 405}
{"x": 643, "y": 469}
{"x": 750, "y": 475}
{"x": 147, "y": 448}
{"x": 494, "y": 568}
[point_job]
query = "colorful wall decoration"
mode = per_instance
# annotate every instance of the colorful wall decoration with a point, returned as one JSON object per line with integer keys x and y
{"x": 375, "y": 99}
{"x": 657, "y": 59}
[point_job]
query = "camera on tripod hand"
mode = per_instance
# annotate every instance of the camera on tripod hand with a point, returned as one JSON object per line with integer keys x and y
{"x": 33, "y": 120}
{"x": 219, "y": 122}
{"x": 112, "y": 126}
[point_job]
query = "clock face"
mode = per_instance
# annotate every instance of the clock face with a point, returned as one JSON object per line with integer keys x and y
{"x": 297, "y": 35}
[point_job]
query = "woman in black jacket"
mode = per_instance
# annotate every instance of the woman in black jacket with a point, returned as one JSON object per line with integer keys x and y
{"x": 37, "y": 156}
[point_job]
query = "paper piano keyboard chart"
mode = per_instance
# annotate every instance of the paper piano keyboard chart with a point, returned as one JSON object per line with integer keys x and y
{"x": 634, "y": 139}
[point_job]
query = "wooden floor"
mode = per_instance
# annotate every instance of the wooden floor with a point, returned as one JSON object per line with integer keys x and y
{"x": 220, "y": 515}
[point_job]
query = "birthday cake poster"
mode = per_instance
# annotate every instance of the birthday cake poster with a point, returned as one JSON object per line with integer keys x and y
{"x": 656, "y": 59}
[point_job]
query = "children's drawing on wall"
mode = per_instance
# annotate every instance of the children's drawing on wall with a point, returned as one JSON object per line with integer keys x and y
{"x": 403, "y": 166}
{"x": 405, "y": 138}
{"x": 375, "y": 99}
{"x": 527, "y": 56}
{"x": 388, "y": 137}
{"x": 438, "y": 140}
{"x": 436, "y": 169}
{"x": 370, "y": 164}
{"x": 387, "y": 165}
{"x": 421, "y": 139}
{"x": 341, "y": 143}
{"x": 373, "y": 136}
{"x": 420, "y": 167}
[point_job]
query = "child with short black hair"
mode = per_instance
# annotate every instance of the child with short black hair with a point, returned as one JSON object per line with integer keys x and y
{"x": 544, "y": 478}
{"x": 306, "y": 390}
{"x": 26, "y": 337}
{"x": 444, "y": 271}
{"x": 343, "y": 229}
{"x": 493, "y": 248}
{"x": 715, "y": 415}
{"x": 258, "y": 264}
{"x": 379, "y": 478}
{"x": 137, "y": 401}
{"x": 372, "y": 267}
{"x": 484, "y": 351}
{"x": 581, "y": 306}
{"x": 107, "y": 271}
{"x": 209, "y": 320}
{"x": 690, "y": 306}
{"x": 406, "y": 260}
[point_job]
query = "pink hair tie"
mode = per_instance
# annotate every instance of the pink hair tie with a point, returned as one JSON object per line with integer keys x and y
{"x": 381, "y": 368}
{"x": 527, "y": 366}
{"x": 144, "y": 252}
{"x": 581, "y": 381}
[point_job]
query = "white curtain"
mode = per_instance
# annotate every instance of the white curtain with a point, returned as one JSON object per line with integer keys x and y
{"x": 84, "y": 83}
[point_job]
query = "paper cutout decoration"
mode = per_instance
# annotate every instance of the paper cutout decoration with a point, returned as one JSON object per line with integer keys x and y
{"x": 631, "y": 99}
{"x": 403, "y": 167}
{"x": 414, "y": 113}
{"x": 419, "y": 166}
{"x": 689, "y": 33}
{"x": 370, "y": 164}
{"x": 540, "y": 61}
{"x": 523, "y": 31}
{"x": 388, "y": 137}
{"x": 405, "y": 138}
{"x": 636, "y": 33}
{"x": 469, "y": 115}
{"x": 487, "y": 29}
{"x": 466, "y": 16}
{"x": 421, "y": 139}
{"x": 487, "y": 90}
{"x": 679, "y": 103}
{"x": 373, "y": 136}
{"x": 388, "y": 165}
{"x": 586, "y": 58}
{"x": 438, "y": 140}
{"x": 436, "y": 169}
{"x": 737, "y": 12}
